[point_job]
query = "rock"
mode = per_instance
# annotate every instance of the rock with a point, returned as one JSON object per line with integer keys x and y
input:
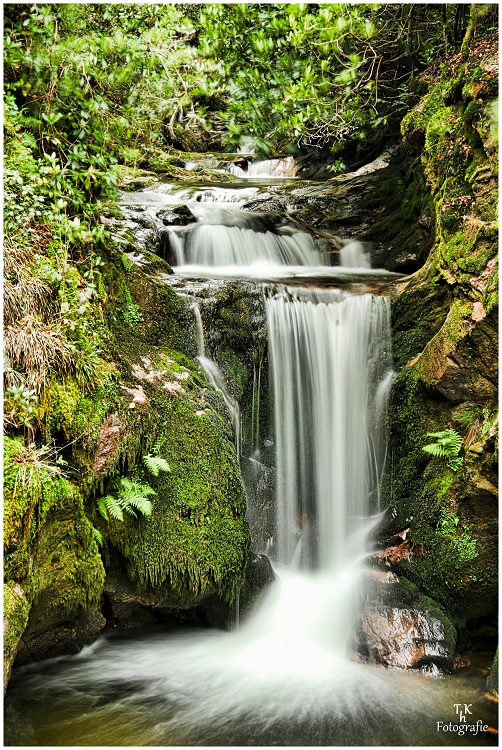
{"x": 62, "y": 638}
{"x": 405, "y": 638}
{"x": 176, "y": 216}
{"x": 259, "y": 576}
{"x": 127, "y": 608}
{"x": 16, "y": 608}
{"x": 138, "y": 182}
{"x": 110, "y": 435}
{"x": 398, "y": 627}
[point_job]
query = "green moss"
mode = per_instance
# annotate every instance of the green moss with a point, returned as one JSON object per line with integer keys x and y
{"x": 196, "y": 540}
{"x": 79, "y": 416}
{"x": 154, "y": 306}
{"x": 70, "y": 573}
{"x": 417, "y": 316}
{"x": 444, "y": 569}
{"x": 468, "y": 250}
{"x": 16, "y": 610}
{"x": 32, "y": 486}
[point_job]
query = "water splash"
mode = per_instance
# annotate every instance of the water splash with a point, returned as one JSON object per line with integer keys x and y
{"x": 354, "y": 255}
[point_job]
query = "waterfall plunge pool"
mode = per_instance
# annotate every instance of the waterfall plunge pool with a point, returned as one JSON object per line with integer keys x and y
{"x": 212, "y": 688}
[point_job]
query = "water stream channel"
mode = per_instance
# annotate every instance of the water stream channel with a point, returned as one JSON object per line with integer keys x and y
{"x": 288, "y": 675}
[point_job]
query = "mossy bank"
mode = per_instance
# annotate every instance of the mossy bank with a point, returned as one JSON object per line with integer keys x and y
{"x": 445, "y": 348}
{"x": 146, "y": 398}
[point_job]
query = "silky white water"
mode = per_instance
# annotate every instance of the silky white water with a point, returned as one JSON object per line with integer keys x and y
{"x": 217, "y": 245}
{"x": 283, "y": 167}
{"x": 330, "y": 352}
{"x": 215, "y": 377}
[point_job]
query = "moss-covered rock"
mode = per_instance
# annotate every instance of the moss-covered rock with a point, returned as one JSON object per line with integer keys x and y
{"x": 53, "y": 569}
{"x": 196, "y": 540}
{"x": 446, "y": 345}
{"x": 16, "y": 609}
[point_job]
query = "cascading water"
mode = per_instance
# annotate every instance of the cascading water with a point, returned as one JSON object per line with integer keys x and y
{"x": 286, "y": 676}
{"x": 215, "y": 377}
{"x": 330, "y": 362}
{"x": 329, "y": 353}
{"x": 225, "y": 237}
{"x": 283, "y": 167}
{"x": 353, "y": 255}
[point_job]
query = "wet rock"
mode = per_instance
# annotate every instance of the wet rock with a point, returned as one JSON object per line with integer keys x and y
{"x": 176, "y": 216}
{"x": 62, "y": 638}
{"x": 492, "y": 682}
{"x": 259, "y": 576}
{"x": 17, "y": 727}
{"x": 405, "y": 638}
{"x": 127, "y": 609}
{"x": 398, "y": 627}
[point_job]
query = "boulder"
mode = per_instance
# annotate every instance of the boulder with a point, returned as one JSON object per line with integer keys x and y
{"x": 398, "y": 627}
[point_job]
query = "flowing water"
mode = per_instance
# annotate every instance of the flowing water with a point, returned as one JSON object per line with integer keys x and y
{"x": 287, "y": 675}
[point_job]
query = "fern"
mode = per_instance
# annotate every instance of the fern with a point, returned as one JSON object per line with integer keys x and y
{"x": 155, "y": 464}
{"x": 448, "y": 444}
{"x": 132, "y": 496}
{"x": 98, "y": 536}
{"x": 110, "y": 506}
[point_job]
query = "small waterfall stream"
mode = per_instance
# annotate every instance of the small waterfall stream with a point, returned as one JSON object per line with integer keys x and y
{"x": 286, "y": 676}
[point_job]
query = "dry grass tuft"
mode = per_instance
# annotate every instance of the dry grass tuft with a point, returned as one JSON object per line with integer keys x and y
{"x": 37, "y": 349}
{"x": 26, "y": 297}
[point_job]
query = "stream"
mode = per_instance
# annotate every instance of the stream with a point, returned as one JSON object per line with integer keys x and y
{"x": 289, "y": 675}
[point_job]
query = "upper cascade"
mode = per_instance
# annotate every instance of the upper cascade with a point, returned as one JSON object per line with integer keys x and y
{"x": 285, "y": 166}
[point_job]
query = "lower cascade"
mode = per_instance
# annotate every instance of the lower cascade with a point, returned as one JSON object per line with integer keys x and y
{"x": 287, "y": 675}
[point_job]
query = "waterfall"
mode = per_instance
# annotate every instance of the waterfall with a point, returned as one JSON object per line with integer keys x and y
{"x": 217, "y": 245}
{"x": 353, "y": 255}
{"x": 283, "y": 167}
{"x": 330, "y": 355}
{"x": 216, "y": 378}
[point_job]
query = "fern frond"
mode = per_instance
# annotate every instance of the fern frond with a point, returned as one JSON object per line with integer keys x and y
{"x": 98, "y": 536}
{"x": 101, "y": 506}
{"x": 435, "y": 449}
{"x": 139, "y": 503}
{"x": 155, "y": 464}
{"x": 132, "y": 496}
{"x": 134, "y": 487}
{"x": 449, "y": 438}
{"x": 114, "y": 507}
{"x": 448, "y": 444}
